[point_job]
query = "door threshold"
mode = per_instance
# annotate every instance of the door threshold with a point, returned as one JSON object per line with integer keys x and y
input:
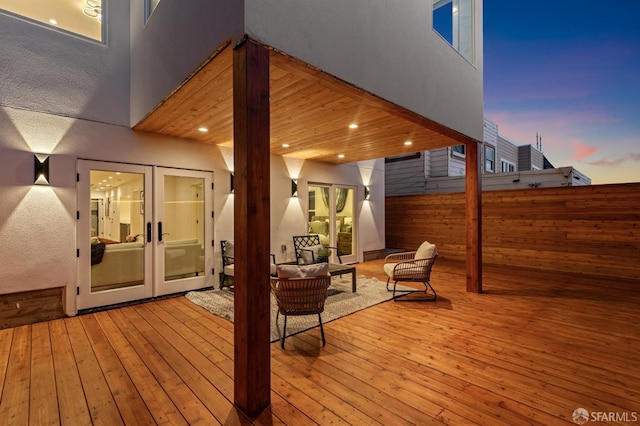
{"x": 135, "y": 302}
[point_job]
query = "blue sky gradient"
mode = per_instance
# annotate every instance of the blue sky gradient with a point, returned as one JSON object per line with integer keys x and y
{"x": 569, "y": 71}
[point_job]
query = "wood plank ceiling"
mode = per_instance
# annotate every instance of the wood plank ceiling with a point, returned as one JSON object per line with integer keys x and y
{"x": 311, "y": 112}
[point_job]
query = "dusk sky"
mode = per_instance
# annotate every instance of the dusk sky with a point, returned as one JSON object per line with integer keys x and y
{"x": 569, "y": 71}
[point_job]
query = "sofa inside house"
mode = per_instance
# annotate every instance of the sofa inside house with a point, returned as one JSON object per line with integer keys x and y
{"x": 319, "y": 225}
{"x": 123, "y": 263}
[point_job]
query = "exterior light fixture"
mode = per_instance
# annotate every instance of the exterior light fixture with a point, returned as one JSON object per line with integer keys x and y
{"x": 408, "y": 143}
{"x": 367, "y": 193}
{"x": 203, "y": 129}
{"x": 341, "y": 156}
{"x": 353, "y": 126}
{"x": 294, "y": 187}
{"x": 231, "y": 188}
{"x": 41, "y": 169}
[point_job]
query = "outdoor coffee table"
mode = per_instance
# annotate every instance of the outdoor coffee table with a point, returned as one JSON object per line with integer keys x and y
{"x": 339, "y": 269}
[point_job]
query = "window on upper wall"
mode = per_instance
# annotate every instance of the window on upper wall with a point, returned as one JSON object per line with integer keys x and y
{"x": 489, "y": 158}
{"x": 507, "y": 166}
{"x": 81, "y": 17}
{"x": 454, "y": 21}
{"x": 149, "y": 7}
{"x": 459, "y": 150}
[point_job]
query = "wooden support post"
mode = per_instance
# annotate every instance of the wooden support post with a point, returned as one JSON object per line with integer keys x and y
{"x": 252, "y": 350}
{"x": 474, "y": 217}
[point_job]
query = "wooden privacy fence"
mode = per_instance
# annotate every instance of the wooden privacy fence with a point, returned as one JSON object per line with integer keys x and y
{"x": 593, "y": 230}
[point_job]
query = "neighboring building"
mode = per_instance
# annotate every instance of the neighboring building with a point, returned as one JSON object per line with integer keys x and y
{"x": 75, "y": 92}
{"x": 504, "y": 165}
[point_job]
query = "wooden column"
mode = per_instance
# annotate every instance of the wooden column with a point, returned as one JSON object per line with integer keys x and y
{"x": 474, "y": 217}
{"x": 252, "y": 350}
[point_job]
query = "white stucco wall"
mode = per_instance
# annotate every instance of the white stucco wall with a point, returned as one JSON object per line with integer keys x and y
{"x": 175, "y": 40}
{"x": 49, "y": 71}
{"x": 38, "y": 231}
{"x": 38, "y": 224}
{"x": 289, "y": 214}
{"x": 385, "y": 47}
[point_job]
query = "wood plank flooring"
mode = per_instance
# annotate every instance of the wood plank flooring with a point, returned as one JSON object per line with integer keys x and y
{"x": 530, "y": 350}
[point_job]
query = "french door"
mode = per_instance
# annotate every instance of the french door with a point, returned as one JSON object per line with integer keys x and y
{"x": 331, "y": 216}
{"x": 142, "y": 232}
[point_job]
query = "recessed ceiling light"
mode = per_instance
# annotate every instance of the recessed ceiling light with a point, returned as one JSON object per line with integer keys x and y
{"x": 353, "y": 126}
{"x": 407, "y": 143}
{"x": 53, "y": 21}
{"x": 285, "y": 145}
{"x": 203, "y": 129}
{"x": 340, "y": 155}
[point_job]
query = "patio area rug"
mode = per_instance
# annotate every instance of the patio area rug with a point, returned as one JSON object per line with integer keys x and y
{"x": 341, "y": 302}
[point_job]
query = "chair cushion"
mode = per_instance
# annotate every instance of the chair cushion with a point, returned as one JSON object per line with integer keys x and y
{"x": 229, "y": 270}
{"x": 229, "y": 249}
{"x": 426, "y": 251}
{"x": 307, "y": 256}
{"x": 306, "y": 271}
{"x": 388, "y": 269}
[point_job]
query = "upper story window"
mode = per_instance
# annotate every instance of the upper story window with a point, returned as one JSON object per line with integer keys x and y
{"x": 489, "y": 158}
{"x": 454, "y": 21}
{"x": 507, "y": 166}
{"x": 459, "y": 150}
{"x": 82, "y": 17}
{"x": 149, "y": 7}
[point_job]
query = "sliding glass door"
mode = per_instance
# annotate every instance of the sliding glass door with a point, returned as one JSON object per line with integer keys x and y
{"x": 331, "y": 217}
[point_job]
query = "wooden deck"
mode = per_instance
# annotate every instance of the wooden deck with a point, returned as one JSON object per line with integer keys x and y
{"x": 530, "y": 350}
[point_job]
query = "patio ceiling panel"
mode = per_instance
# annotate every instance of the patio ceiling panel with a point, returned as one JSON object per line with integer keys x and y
{"x": 310, "y": 111}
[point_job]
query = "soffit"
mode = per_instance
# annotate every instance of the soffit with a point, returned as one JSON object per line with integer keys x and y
{"x": 310, "y": 111}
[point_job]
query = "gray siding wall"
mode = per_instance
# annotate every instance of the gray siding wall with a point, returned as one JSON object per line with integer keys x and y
{"x": 524, "y": 157}
{"x": 439, "y": 162}
{"x": 537, "y": 159}
{"x": 457, "y": 165}
{"x": 490, "y": 133}
{"x": 507, "y": 151}
{"x": 405, "y": 176}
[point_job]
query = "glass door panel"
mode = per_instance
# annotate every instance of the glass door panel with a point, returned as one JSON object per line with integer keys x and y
{"x": 344, "y": 223}
{"x": 114, "y": 261}
{"x": 183, "y": 229}
{"x": 331, "y": 217}
{"x": 319, "y": 213}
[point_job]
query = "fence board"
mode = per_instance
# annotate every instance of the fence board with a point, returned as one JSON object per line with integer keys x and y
{"x": 593, "y": 230}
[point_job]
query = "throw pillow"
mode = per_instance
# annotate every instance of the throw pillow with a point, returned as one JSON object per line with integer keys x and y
{"x": 310, "y": 254}
{"x": 426, "y": 251}
{"x": 306, "y": 271}
{"x": 318, "y": 227}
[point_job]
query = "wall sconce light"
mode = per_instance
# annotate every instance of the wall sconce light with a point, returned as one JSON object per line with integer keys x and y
{"x": 41, "y": 169}
{"x": 294, "y": 187}
{"x": 367, "y": 193}
{"x": 231, "y": 188}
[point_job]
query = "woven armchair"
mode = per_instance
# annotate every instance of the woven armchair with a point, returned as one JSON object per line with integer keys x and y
{"x": 300, "y": 296}
{"x": 411, "y": 266}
